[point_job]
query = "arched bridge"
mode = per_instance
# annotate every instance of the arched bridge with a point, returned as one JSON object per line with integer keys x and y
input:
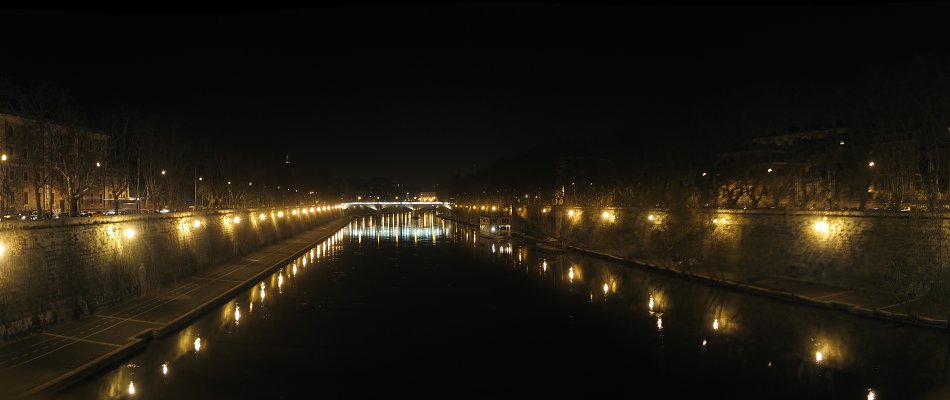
{"x": 412, "y": 205}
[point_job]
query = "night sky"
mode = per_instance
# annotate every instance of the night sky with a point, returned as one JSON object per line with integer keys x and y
{"x": 417, "y": 92}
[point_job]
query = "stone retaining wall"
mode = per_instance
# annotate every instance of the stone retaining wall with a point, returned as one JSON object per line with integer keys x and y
{"x": 61, "y": 269}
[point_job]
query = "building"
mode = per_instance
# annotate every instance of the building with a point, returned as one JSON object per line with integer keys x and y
{"x": 428, "y": 196}
{"x": 50, "y": 167}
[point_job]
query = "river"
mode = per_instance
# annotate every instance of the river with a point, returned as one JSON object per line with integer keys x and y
{"x": 416, "y": 305}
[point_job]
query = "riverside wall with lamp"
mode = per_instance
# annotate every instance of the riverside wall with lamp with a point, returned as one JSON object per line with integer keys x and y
{"x": 56, "y": 270}
{"x": 868, "y": 250}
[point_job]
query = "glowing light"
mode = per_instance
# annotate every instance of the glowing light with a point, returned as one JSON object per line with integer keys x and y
{"x": 659, "y": 323}
{"x": 237, "y": 220}
{"x": 165, "y": 369}
{"x": 821, "y": 227}
{"x": 493, "y": 208}
{"x": 606, "y": 288}
{"x": 704, "y": 174}
{"x": 651, "y": 304}
{"x": 294, "y": 212}
{"x": 605, "y": 215}
{"x": 704, "y": 342}
{"x": 263, "y": 217}
{"x": 570, "y": 213}
{"x": 544, "y": 265}
{"x": 716, "y": 324}
{"x": 311, "y": 209}
{"x": 237, "y": 314}
{"x": 3, "y": 249}
{"x": 280, "y": 214}
{"x": 770, "y": 170}
{"x": 651, "y": 217}
{"x": 871, "y": 164}
{"x": 163, "y": 172}
{"x": 570, "y": 273}
{"x": 280, "y": 280}
{"x": 197, "y": 344}
{"x": 197, "y": 223}
{"x": 131, "y": 388}
{"x": 819, "y": 357}
{"x": 3, "y": 157}
{"x": 871, "y": 395}
{"x": 129, "y": 233}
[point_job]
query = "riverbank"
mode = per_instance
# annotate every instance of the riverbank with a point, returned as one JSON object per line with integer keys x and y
{"x": 47, "y": 361}
{"x": 866, "y": 303}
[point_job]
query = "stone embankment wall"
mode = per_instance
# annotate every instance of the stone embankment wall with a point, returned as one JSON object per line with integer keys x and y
{"x": 56, "y": 270}
{"x": 903, "y": 254}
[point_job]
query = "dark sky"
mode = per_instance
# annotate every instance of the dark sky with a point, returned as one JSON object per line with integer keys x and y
{"x": 416, "y": 92}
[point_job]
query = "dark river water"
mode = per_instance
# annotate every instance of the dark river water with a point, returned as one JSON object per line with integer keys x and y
{"x": 395, "y": 306}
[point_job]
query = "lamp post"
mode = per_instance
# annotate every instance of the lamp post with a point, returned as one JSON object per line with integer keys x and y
{"x": 103, "y": 187}
{"x": 159, "y": 194}
{"x": 196, "y": 189}
{"x": 3, "y": 163}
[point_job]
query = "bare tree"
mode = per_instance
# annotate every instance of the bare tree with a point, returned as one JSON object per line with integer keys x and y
{"x": 75, "y": 162}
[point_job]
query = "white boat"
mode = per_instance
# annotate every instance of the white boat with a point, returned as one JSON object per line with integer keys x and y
{"x": 495, "y": 226}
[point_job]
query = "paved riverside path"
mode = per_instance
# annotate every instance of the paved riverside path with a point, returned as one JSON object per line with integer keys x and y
{"x": 50, "y": 360}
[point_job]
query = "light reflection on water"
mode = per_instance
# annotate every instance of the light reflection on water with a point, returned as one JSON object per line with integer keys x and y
{"x": 132, "y": 380}
{"x": 805, "y": 347}
{"x": 829, "y": 351}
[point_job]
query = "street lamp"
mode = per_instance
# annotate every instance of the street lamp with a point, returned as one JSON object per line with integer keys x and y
{"x": 196, "y": 189}
{"x": 102, "y": 203}
{"x": 3, "y": 159}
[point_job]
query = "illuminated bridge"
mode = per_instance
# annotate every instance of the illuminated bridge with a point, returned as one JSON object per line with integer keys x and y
{"x": 412, "y": 205}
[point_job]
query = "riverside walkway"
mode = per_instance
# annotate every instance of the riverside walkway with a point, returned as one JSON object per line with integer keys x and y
{"x": 44, "y": 362}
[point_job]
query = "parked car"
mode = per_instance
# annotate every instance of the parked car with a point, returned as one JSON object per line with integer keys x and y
{"x": 35, "y": 216}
